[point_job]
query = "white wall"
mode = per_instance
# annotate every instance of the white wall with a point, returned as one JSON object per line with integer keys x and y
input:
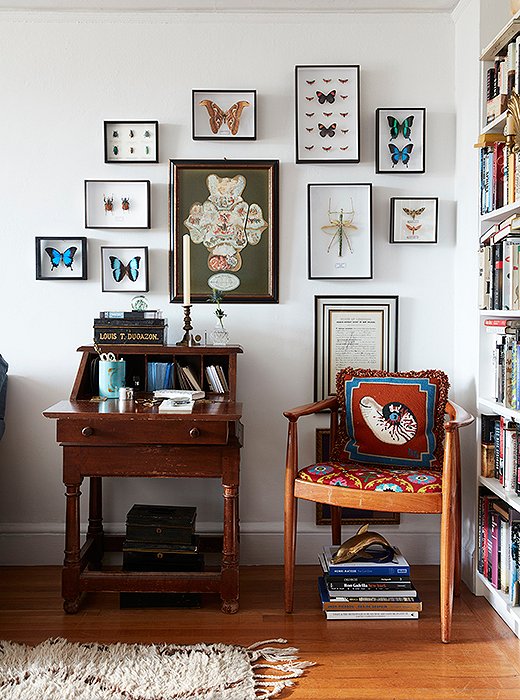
{"x": 61, "y": 76}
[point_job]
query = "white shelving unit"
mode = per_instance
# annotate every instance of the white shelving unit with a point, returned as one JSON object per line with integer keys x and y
{"x": 485, "y": 380}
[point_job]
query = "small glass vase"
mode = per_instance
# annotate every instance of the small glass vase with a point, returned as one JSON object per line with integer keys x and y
{"x": 219, "y": 335}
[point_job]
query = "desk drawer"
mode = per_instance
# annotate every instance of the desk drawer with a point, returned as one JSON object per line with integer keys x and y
{"x": 114, "y": 432}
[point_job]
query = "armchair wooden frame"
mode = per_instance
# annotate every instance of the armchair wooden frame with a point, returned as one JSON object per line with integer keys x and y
{"x": 446, "y": 503}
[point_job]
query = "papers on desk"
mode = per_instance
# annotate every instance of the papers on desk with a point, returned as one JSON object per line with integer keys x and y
{"x": 178, "y": 394}
{"x": 176, "y": 406}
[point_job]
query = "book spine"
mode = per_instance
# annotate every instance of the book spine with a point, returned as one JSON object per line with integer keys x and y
{"x": 379, "y": 570}
{"x": 333, "y": 586}
{"x": 514, "y": 582}
{"x": 128, "y": 322}
{"x": 494, "y": 519}
{"x": 370, "y": 615}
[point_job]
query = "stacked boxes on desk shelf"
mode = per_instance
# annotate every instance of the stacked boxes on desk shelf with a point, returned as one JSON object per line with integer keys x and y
{"x": 130, "y": 328}
{"x": 161, "y": 538}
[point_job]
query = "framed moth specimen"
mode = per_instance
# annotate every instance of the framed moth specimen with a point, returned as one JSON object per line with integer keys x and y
{"x": 413, "y": 219}
{"x": 224, "y": 115}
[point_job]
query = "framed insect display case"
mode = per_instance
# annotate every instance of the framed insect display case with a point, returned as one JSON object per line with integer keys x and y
{"x": 414, "y": 219}
{"x": 124, "y": 269}
{"x": 61, "y": 258}
{"x": 327, "y": 114}
{"x": 131, "y": 142}
{"x": 224, "y": 115}
{"x": 400, "y": 140}
{"x": 229, "y": 208}
{"x": 339, "y": 231}
{"x": 117, "y": 204}
{"x": 353, "y": 331}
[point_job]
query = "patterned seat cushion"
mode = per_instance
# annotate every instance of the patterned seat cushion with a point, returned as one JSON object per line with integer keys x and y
{"x": 352, "y": 475}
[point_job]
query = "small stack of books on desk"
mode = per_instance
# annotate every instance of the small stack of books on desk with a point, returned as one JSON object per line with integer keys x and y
{"x": 361, "y": 590}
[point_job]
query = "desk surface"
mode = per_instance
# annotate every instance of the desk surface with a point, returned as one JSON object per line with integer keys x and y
{"x": 203, "y": 409}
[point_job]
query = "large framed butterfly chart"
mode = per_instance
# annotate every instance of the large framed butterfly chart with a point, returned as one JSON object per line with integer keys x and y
{"x": 61, "y": 258}
{"x": 223, "y": 115}
{"x": 327, "y": 114}
{"x": 124, "y": 269}
{"x": 400, "y": 140}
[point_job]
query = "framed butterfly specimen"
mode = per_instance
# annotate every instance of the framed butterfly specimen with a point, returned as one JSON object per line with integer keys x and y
{"x": 414, "y": 219}
{"x": 325, "y": 132}
{"x": 117, "y": 204}
{"x": 400, "y": 140}
{"x": 230, "y": 210}
{"x": 339, "y": 228}
{"x": 124, "y": 269}
{"x": 61, "y": 258}
{"x": 223, "y": 115}
{"x": 131, "y": 142}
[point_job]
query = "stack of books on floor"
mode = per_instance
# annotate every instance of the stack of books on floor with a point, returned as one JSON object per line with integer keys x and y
{"x": 361, "y": 590}
{"x": 161, "y": 538}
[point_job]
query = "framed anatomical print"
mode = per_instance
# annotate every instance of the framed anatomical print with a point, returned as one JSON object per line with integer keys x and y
{"x": 413, "y": 219}
{"x": 400, "y": 140}
{"x": 327, "y": 114}
{"x": 61, "y": 258}
{"x": 230, "y": 211}
{"x": 224, "y": 114}
{"x": 339, "y": 231}
{"x": 124, "y": 269}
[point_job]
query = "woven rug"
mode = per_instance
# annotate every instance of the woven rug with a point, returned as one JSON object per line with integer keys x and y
{"x": 61, "y": 670}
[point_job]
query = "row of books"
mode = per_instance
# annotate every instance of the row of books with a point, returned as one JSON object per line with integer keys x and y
{"x": 506, "y": 360}
{"x": 499, "y": 545}
{"x": 502, "y": 78}
{"x": 187, "y": 379}
{"x": 217, "y": 379}
{"x": 499, "y": 174}
{"x": 359, "y": 590}
{"x": 160, "y": 375}
{"x": 499, "y": 276}
{"x": 500, "y": 454}
{"x": 131, "y": 315}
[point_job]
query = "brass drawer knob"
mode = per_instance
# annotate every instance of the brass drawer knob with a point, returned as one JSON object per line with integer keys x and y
{"x": 160, "y": 555}
{"x": 158, "y": 530}
{"x": 87, "y": 431}
{"x": 194, "y": 433}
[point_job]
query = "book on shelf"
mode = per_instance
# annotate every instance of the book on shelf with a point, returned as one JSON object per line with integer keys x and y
{"x": 160, "y": 375}
{"x": 407, "y": 603}
{"x": 397, "y": 567}
{"x": 216, "y": 379}
{"x": 188, "y": 377}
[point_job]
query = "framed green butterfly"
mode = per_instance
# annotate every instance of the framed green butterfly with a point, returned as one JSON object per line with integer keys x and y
{"x": 400, "y": 140}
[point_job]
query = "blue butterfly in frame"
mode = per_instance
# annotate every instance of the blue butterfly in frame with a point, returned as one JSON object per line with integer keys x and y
{"x": 398, "y": 155}
{"x": 55, "y": 257}
{"x": 405, "y": 126}
{"x": 119, "y": 269}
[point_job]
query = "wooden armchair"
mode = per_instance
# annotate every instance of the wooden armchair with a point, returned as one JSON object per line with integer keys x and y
{"x": 392, "y": 449}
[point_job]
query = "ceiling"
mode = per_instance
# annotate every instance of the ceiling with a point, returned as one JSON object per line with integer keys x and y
{"x": 231, "y": 5}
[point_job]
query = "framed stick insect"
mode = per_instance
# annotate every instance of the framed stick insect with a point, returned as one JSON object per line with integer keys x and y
{"x": 339, "y": 231}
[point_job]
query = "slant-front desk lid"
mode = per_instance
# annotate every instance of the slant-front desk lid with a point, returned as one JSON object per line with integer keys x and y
{"x": 203, "y": 409}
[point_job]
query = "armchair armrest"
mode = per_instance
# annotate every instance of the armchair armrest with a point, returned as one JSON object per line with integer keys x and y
{"x": 459, "y": 418}
{"x": 293, "y": 414}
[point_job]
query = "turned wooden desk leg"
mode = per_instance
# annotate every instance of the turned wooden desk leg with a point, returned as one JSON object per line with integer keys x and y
{"x": 229, "y": 581}
{"x": 71, "y": 564}
{"x": 95, "y": 522}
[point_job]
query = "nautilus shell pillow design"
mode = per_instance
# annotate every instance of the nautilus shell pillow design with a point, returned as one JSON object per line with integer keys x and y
{"x": 392, "y": 419}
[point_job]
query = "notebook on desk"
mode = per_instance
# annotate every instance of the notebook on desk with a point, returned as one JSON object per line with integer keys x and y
{"x": 178, "y": 394}
{"x": 176, "y": 406}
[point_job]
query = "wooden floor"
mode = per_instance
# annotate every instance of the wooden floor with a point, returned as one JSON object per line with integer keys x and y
{"x": 356, "y": 660}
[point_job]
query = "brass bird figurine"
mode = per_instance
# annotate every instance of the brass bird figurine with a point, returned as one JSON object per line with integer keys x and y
{"x": 354, "y": 547}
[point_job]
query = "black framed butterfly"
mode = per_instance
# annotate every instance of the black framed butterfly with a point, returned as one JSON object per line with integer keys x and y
{"x": 327, "y": 130}
{"x": 322, "y": 98}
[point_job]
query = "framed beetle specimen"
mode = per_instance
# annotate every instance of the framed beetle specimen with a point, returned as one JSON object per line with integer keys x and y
{"x": 117, "y": 204}
{"x": 131, "y": 142}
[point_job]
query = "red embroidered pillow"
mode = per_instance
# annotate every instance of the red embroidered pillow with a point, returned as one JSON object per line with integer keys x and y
{"x": 391, "y": 418}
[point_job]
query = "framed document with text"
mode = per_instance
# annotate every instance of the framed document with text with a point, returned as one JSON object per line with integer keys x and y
{"x": 352, "y": 331}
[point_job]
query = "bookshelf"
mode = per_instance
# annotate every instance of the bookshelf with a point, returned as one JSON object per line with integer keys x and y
{"x": 492, "y": 218}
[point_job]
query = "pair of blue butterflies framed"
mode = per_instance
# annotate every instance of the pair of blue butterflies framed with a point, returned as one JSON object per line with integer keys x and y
{"x": 400, "y": 140}
{"x": 61, "y": 258}
{"x": 124, "y": 269}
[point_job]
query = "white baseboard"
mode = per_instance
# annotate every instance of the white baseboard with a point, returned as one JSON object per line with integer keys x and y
{"x": 260, "y": 543}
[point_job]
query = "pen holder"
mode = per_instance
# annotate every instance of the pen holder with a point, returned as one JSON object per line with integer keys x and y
{"x": 111, "y": 378}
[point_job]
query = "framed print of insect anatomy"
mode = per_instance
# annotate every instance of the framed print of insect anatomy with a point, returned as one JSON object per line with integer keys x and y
{"x": 400, "y": 140}
{"x": 327, "y": 114}
{"x": 339, "y": 231}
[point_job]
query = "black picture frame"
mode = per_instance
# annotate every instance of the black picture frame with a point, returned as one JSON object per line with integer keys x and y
{"x": 98, "y": 191}
{"x": 57, "y": 266}
{"x": 339, "y": 139}
{"x": 249, "y": 274}
{"x": 125, "y": 254}
{"x": 349, "y": 516}
{"x": 414, "y": 220}
{"x": 204, "y": 128}
{"x": 399, "y": 140}
{"x": 353, "y": 331}
{"x": 336, "y": 251}
{"x": 117, "y": 148}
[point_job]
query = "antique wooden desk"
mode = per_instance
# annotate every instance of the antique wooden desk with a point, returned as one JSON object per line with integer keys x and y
{"x": 109, "y": 439}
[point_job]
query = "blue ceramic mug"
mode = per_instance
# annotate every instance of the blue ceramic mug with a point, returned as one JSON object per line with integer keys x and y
{"x": 111, "y": 378}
